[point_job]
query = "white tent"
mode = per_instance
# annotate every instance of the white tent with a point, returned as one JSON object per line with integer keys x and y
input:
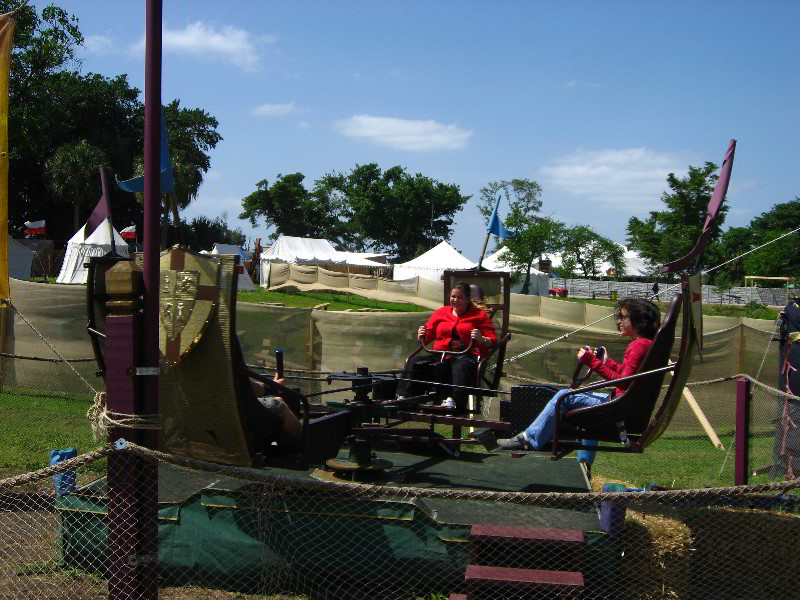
{"x": 297, "y": 250}
{"x": 80, "y": 248}
{"x": 539, "y": 284}
{"x": 244, "y": 282}
{"x": 20, "y": 260}
{"x": 432, "y": 264}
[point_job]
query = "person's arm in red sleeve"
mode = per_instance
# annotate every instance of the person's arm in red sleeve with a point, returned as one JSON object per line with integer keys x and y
{"x": 486, "y": 328}
{"x": 609, "y": 370}
{"x": 430, "y": 328}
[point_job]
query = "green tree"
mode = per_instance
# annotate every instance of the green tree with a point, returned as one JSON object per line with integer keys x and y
{"x": 669, "y": 234}
{"x": 587, "y": 250}
{"x": 533, "y": 237}
{"x": 51, "y": 106}
{"x": 289, "y": 207}
{"x": 202, "y": 233}
{"x": 73, "y": 175}
{"x": 782, "y": 258}
{"x": 390, "y": 211}
{"x": 522, "y": 196}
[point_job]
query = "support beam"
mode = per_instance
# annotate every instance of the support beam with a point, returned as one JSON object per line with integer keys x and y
{"x": 743, "y": 393}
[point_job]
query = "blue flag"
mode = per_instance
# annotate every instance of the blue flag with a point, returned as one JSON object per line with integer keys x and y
{"x": 495, "y": 226}
{"x": 167, "y": 182}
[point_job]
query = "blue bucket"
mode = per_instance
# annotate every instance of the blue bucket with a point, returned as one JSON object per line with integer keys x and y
{"x": 64, "y": 482}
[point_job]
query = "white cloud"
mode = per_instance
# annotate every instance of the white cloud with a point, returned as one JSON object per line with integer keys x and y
{"x": 226, "y": 43}
{"x": 98, "y": 44}
{"x": 275, "y": 110}
{"x": 404, "y": 134}
{"x": 633, "y": 178}
{"x": 304, "y": 125}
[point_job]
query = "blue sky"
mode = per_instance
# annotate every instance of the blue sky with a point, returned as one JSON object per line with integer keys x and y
{"x": 597, "y": 101}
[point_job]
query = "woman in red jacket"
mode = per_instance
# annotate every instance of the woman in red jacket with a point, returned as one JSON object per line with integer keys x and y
{"x": 451, "y": 328}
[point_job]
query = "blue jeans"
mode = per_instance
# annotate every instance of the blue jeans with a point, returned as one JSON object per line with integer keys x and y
{"x": 540, "y": 432}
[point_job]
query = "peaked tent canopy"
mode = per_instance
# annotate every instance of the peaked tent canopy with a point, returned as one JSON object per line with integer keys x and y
{"x": 80, "y": 248}
{"x": 432, "y": 264}
{"x": 20, "y": 260}
{"x": 297, "y": 250}
{"x": 244, "y": 282}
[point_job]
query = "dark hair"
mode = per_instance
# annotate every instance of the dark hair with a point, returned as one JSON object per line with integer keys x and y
{"x": 464, "y": 287}
{"x": 645, "y": 316}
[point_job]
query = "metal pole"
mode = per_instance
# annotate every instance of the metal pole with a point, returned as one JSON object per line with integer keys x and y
{"x": 483, "y": 251}
{"x": 152, "y": 185}
{"x": 743, "y": 388}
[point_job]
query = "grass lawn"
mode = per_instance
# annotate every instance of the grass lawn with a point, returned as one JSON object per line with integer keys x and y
{"x": 35, "y": 422}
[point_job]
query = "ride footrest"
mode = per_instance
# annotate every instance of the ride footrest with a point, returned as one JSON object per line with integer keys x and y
{"x": 456, "y": 420}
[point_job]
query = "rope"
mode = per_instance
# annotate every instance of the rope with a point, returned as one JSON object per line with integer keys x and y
{"x": 100, "y": 418}
{"x": 71, "y": 463}
{"x": 769, "y": 343}
{"x": 39, "y": 358}
{"x": 49, "y": 345}
{"x": 290, "y": 484}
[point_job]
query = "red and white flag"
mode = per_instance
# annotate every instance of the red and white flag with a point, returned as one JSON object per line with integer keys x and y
{"x": 129, "y": 233}
{"x": 35, "y": 228}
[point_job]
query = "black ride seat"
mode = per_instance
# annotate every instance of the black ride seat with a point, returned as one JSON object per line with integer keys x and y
{"x": 497, "y": 289}
{"x": 629, "y": 415}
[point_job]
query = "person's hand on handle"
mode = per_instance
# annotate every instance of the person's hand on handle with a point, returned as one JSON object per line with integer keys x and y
{"x": 604, "y": 353}
{"x": 421, "y": 333}
{"x": 479, "y": 339}
{"x": 583, "y": 351}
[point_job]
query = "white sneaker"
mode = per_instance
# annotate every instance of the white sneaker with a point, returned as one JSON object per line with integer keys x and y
{"x": 448, "y": 403}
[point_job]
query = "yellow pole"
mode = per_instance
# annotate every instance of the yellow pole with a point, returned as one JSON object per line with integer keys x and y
{"x": 6, "y": 33}
{"x": 6, "y": 312}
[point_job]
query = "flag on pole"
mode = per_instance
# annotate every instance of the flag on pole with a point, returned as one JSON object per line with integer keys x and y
{"x": 102, "y": 210}
{"x": 167, "y": 181}
{"x": 35, "y": 228}
{"x": 129, "y": 233}
{"x": 6, "y": 33}
{"x": 496, "y": 226}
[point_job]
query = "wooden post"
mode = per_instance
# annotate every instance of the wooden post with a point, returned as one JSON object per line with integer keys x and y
{"x": 132, "y": 481}
{"x": 743, "y": 390}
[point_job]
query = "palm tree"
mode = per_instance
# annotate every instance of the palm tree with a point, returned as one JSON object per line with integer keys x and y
{"x": 71, "y": 174}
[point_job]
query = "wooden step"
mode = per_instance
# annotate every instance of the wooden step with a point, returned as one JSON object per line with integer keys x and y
{"x": 565, "y": 584}
{"x": 537, "y": 548}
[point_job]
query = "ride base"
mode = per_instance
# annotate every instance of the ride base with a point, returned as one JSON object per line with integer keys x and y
{"x": 228, "y": 533}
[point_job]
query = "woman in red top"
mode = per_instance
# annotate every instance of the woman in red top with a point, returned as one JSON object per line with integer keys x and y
{"x": 451, "y": 328}
{"x": 636, "y": 319}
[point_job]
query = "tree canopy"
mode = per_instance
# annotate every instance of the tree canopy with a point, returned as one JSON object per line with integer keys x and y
{"x": 367, "y": 209}
{"x": 53, "y": 108}
{"x": 669, "y": 234}
{"x": 780, "y": 259}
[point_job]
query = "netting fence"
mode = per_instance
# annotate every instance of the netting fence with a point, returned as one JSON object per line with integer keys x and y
{"x": 277, "y": 535}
